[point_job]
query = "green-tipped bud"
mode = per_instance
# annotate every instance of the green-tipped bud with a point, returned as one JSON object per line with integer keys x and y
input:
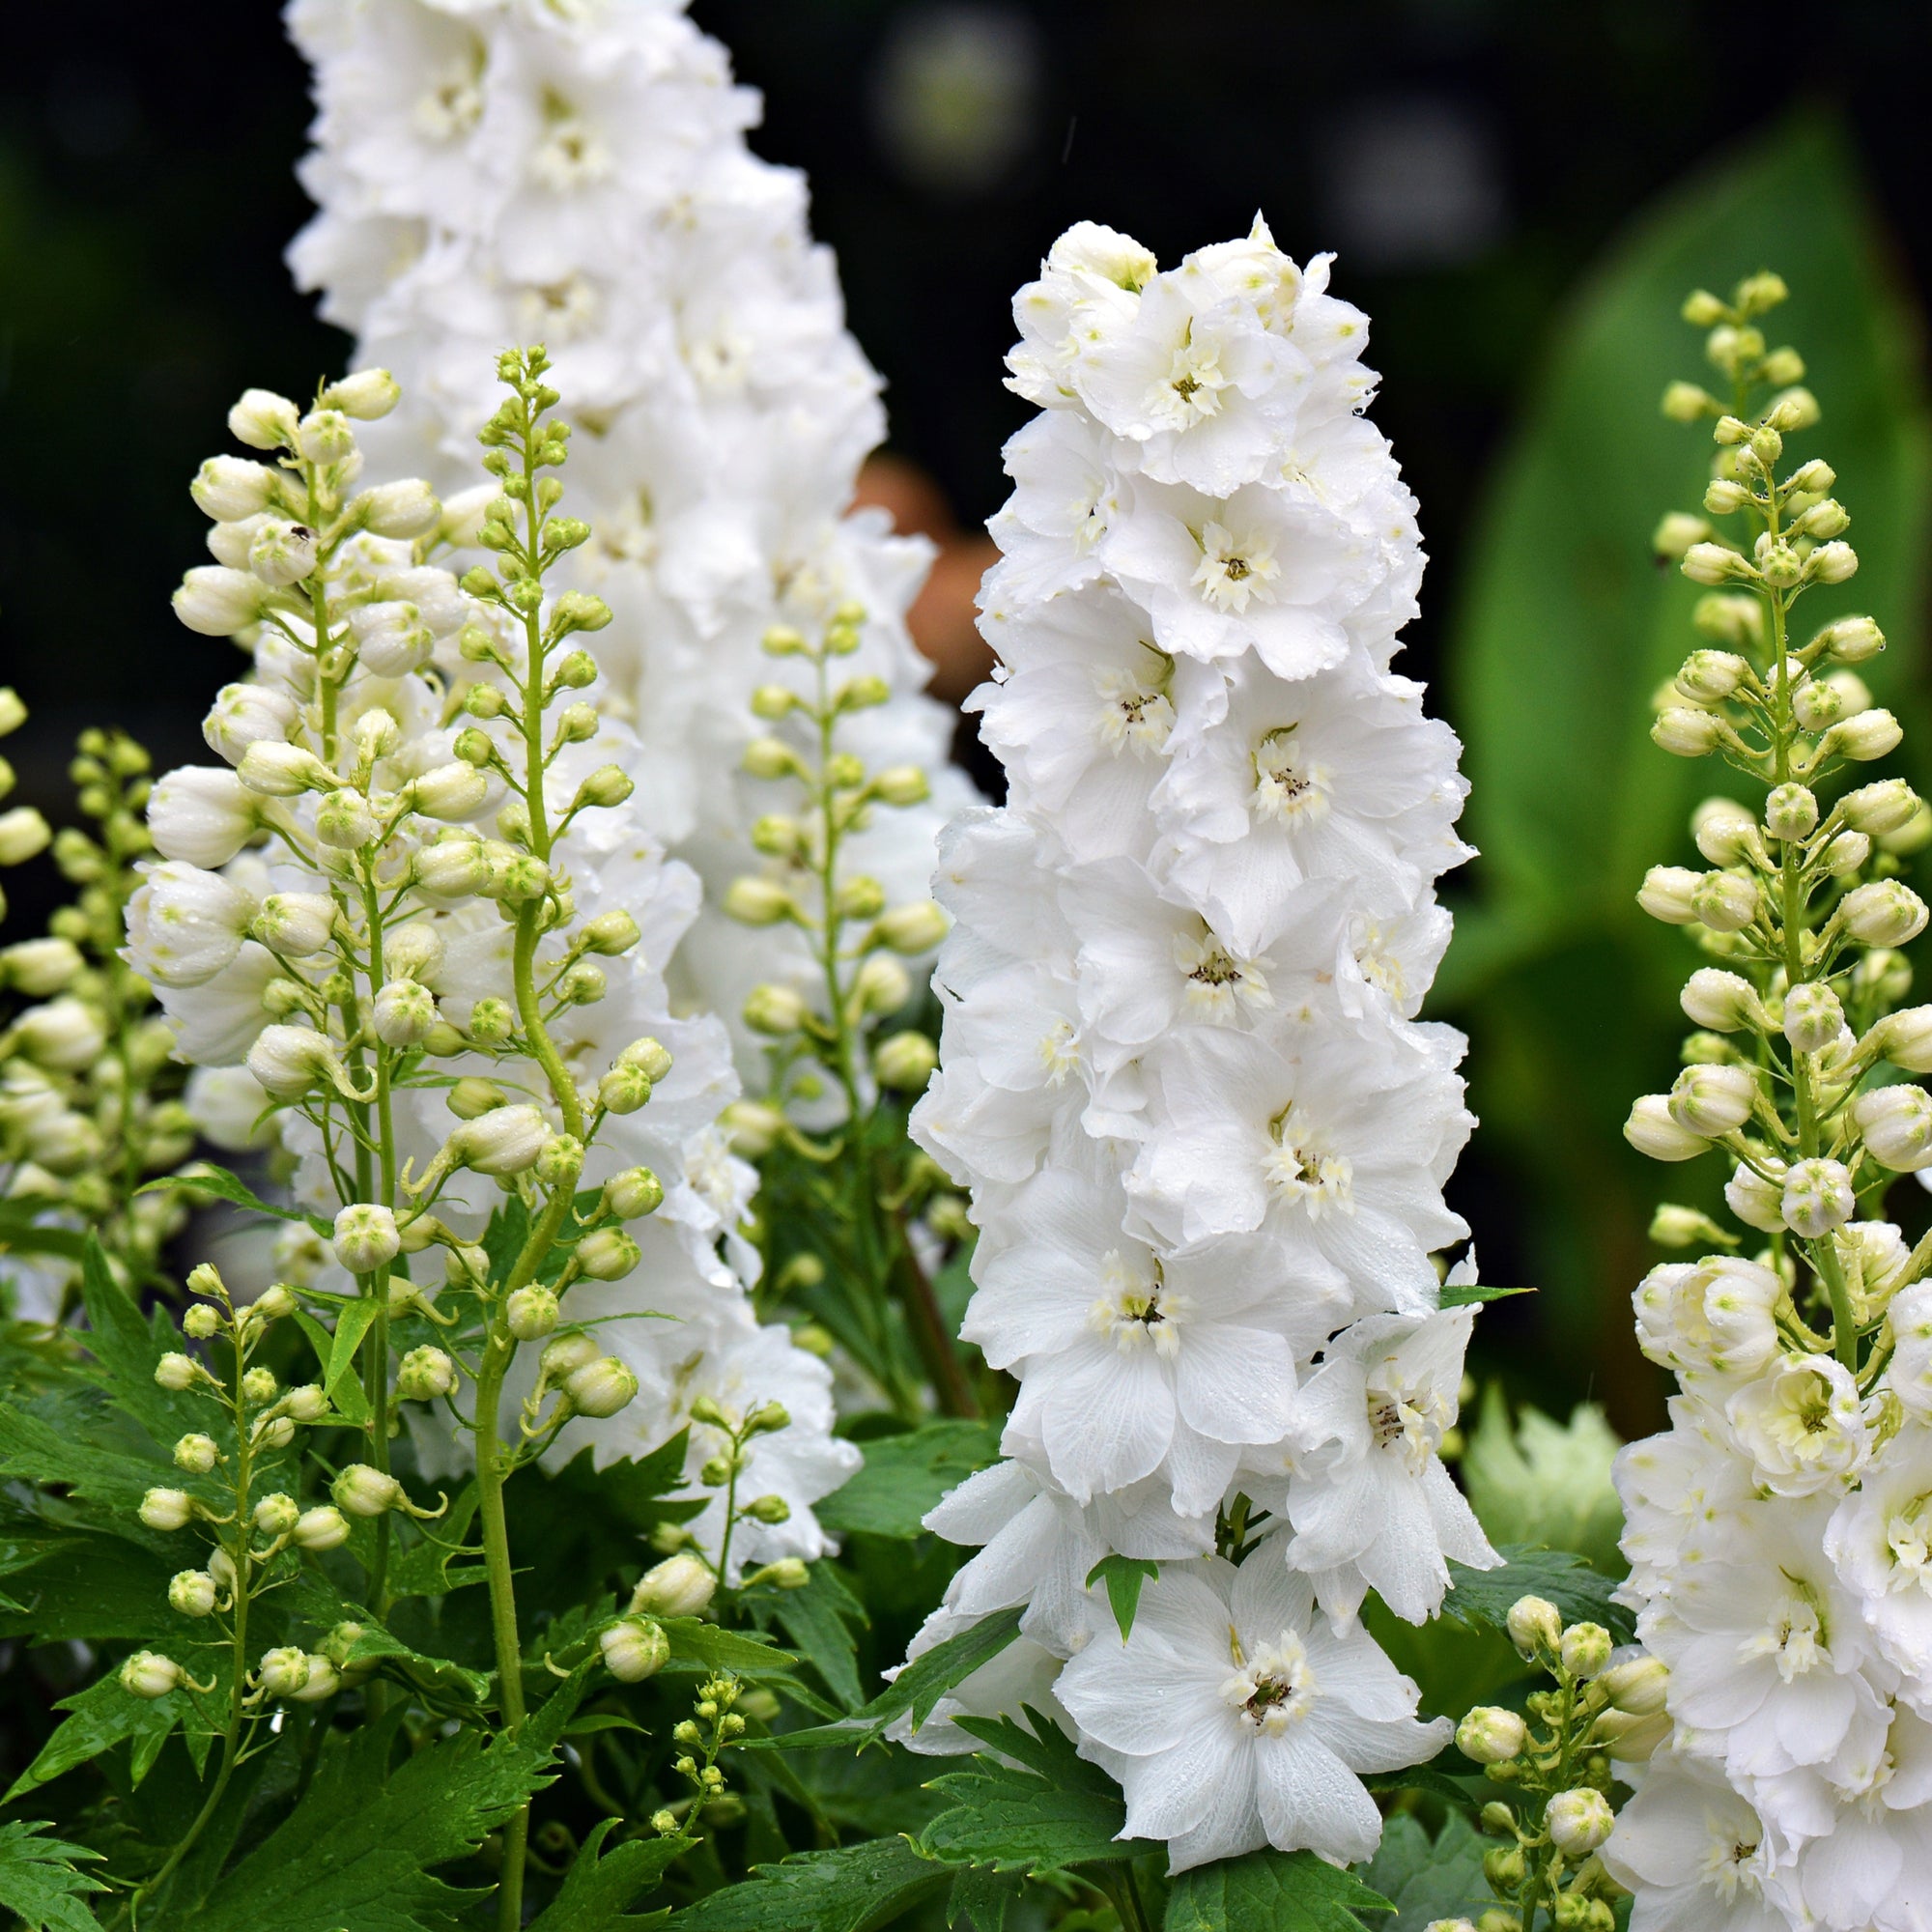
{"x": 632, "y": 1194}
{"x": 633, "y": 1649}
{"x": 680, "y": 1586}
{"x": 531, "y": 1312}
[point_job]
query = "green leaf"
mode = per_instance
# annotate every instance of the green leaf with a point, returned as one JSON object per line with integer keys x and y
{"x": 1123, "y": 1577}
{"x": 127, "y": 1349}
{"x": 354, "y": 1321}
{"x": 821, "y": 1620}
{"x": 598, "y": 1885}
{"x": 1428, "y": 1880}
{"x": 425, "y": 1568}
{"x": 102, "y": 1716}
{"x": 853, "y": 1890}
{"x": 207, "y": 1178}
{"x": 1564, "y": 626}
{"x": 983, "y": 1899}
{"x": 350, "y": 1397}
{"x": 37, "y": 1879}
{"x": 914, "y": 1693}
{"x": 1581, "y": 1594}
{"x": 1545, "y": 1482}
{"x": 700, "y": 1642}
{"x": 1440, "y": 1778}
{"x": 361, "y": 1848}
{"x": 1280, "y": 1891}
{"x": 1468, "y": 1293}
{"x": 1047, "y": 1810}
{"x": 86, "y": 1589}
{"x": 905, "y": 1475}
{"x": 20, "y": 1234}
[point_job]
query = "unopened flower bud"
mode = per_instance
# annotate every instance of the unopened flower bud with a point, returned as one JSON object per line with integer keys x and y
{"x": 506, "y": 1140}
{"x": 231, "y": 488}
{"x": 1585, "y": 1650}
{"x": 1832, "y": 563}
{"x": 276, "y": 1515}
{"x": 403, "y": 1013}
{"x": 608, "y": 1254}
{"x": 453, "y": 791}
{"x": 1667, "y": 894}
{"x": 1756, "y": 1201}
{"x": 1490, "y": 1734}
{"x": 345, "y": 820}
{"x": 295, "y": 923}
{"x": 770, "y": 759}
{"x": 623, "y": 1089}
{"x": 1905, "y": 1038}
{"x": 633, "y": 1649}
{"x": 366, "y": 394}
{"x": 650, "y": 1057}
{"x": 1871, "y": 734}
{"x": 424, "y": 1374}
{"x": 1878, "y": 808}
{"x": 197, "y": 1454}
{"x": 365, "y": 1237}
{"x": 610, "y": 934}
{"x": 1791, "y": 812}
{"x": 451, "y": 869}
{"x": 600, "y": 1387}
{"x": 1724, "y": 902}
{"x": 912, "y": 929}
{"x": 680, "y": 1586}
{"x": 1850, "y": 640}
{"x": 1673, "y": 1226}
{"x": 1883, "y": 913}
{"x": 754, "y": 1126}
{"x": 531, "y": 1312}
{"x": 41, "y": 968}
{"x": 1579, "y": 1821}
{"x": 1712, "y": 676}
{"x": 776, "y": 1009}
{"x": 1817, "y": 1197}
{"x": 567, "y": 1354}
{"x": 167, "y": 1509}
{"x": 322, "y": 1529}
{"x": 1724, "y": 1002}
{"x": 1897, "y": 1122}
{"x": 283, "y": 1672}
{"x": 1712, "y": 1102}
{"x": 151, "y": 1675}
{"x": 905, "y": 1061}
{"x": 1725, "y": 831}
{"x": 1534, "y": 1625}
{"x": 405, "y": 508}
{"x": 1814, "y": 1018}
{"x": 757, "y": 902}
{"x": 607, "y": 786}
{"x": 176, "y": 1371}
{"x": 1700, "y": 562}
{"x": 1678, "y": 532}
{"x": 900, "y": 785}
{"x": 1687, "y": 402}
{"x": 1686, "y": 733}
{"x": 359, "y": 1490}
{"x": 192, "y": 1593}
{"x": 788, "y": 1573}
{"x": 771, "y": 1510}
{"x": 263, "y": 420}
{"x": 282, "y": 553}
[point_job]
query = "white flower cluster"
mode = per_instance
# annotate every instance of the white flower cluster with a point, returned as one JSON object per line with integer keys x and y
{"x": 492, "y": 171}
{"x": 331, "y": 924}
{"x": 1780, "y": 1539}
{"x": 1205, "y": 1135}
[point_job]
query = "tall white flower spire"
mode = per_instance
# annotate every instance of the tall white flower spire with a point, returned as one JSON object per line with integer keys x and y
{"x": 1206, "y": 1136}
{"x": 508, "y": 171}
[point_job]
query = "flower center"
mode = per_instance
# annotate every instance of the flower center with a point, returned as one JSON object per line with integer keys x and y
{"x": 1133, "y": 716}
{"x": 570, "y": 155}
{"x": 1192, "y": 389}
{"x": 1381, "y": 967}
{"x": 1729, "y": 1861}
{"x": 1408, "y": 1422}
{"x": 452, "y": 104}
{"x": 561, "y": 310}
{"x": 1304, "y": 1165}
{"x": 1794, "y": 1636}
{"x": 1233, "y": 569}
{"x": 1136, "y": 1307}
{"x": 1288, "y": 785}
{"x": 1058, "y": 1051}
{"x": 1272, "y": 1691}
{"x": 1907, "y": 1537}
{"x": 1216, "y": 985}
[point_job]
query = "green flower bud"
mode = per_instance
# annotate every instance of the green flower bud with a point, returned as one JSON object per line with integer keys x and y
{"x": 632, "y": 1194}
{"x": 149, "y": 1674}
{"x": 680, "y": 1586}
{"x": 321, "y": 1529}
{"x": 608, "y": 1254}
{"x": 600, "y": 1388}
{"x": 1585, "y": 1650}
{"x": 1490, "y": 1734}
{"x": 633, "y": 1649}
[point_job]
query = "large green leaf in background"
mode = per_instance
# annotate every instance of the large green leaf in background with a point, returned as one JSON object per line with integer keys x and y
{"x": 1565, "y": 628}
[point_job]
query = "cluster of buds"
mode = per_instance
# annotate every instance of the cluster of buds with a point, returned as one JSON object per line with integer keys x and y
{"x": 1792, "y": 1071}
{"x": 1556, "y": 1764}
{"x": 236, "y": 1485}
{"x": 715, "y": 1722}
{"x": 828, "y": 1019}
{"x": 89, "y": 1107}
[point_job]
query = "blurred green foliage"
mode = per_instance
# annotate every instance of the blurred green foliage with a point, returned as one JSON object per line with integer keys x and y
{"x": 1543, "y": 1480}
{"x": 1565, "y": 628}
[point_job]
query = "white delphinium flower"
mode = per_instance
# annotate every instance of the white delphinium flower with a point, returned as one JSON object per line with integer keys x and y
{"x": 1236, "y": 1716}
{"x": 1695, "y": 1853}
{"x": 1180, "y": 1070}
{"x": 581, "y": 174}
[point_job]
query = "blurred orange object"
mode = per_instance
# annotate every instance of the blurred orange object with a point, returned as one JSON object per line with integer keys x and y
{"x": 942, "y": 615}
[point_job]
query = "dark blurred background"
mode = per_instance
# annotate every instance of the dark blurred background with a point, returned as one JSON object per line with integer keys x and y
{"x": 1467, "y": 160}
